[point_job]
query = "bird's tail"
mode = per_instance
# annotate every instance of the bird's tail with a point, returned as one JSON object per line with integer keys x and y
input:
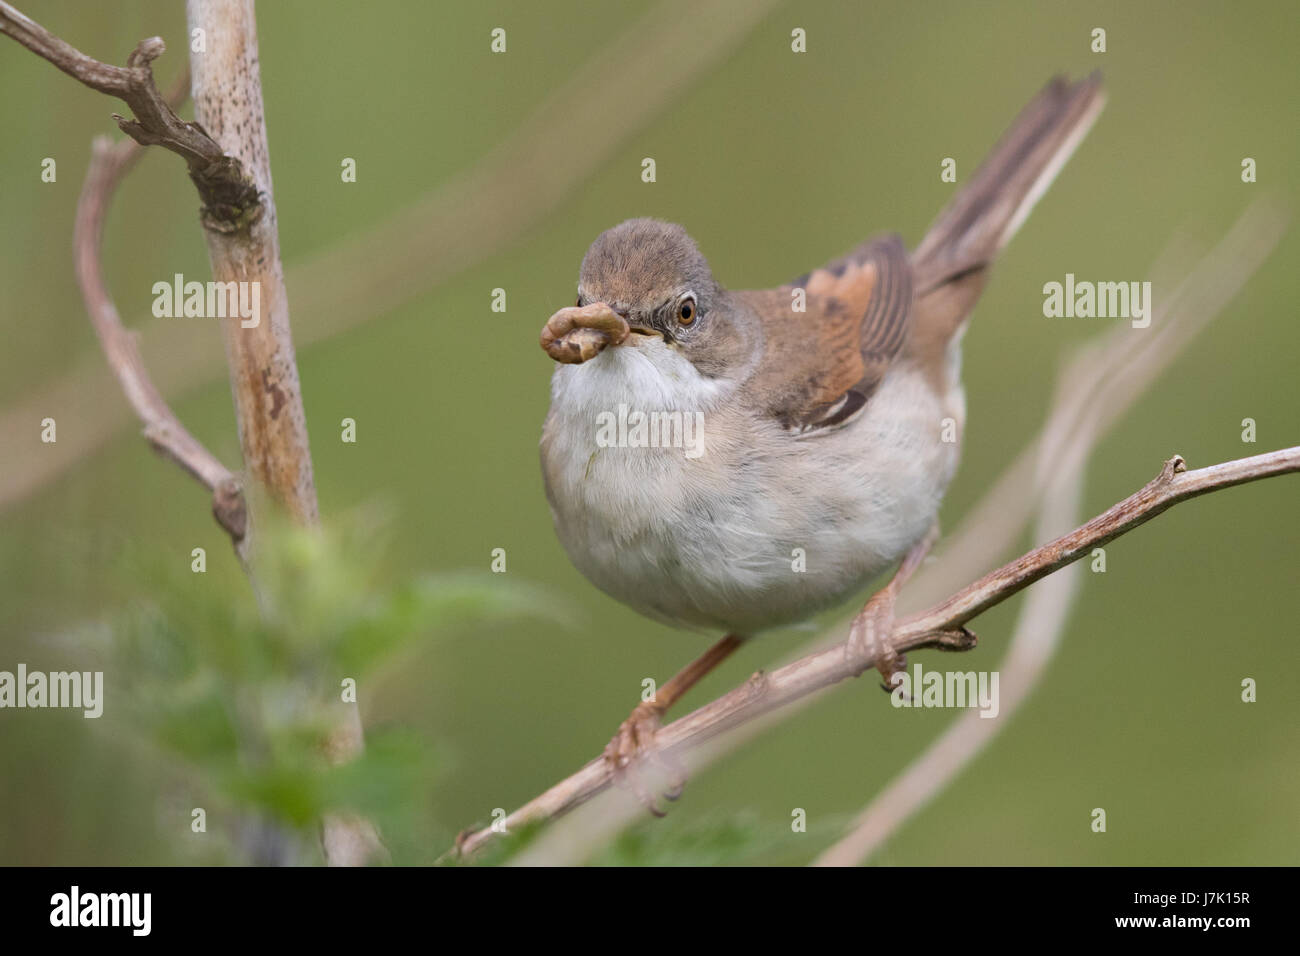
{"x": 986, "y": 213}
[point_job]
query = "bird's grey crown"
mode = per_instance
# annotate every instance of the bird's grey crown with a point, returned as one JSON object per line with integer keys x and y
{"x": 641, "y": 264}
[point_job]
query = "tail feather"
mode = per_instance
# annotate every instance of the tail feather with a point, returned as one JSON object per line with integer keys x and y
{"x": 986, "y": 213}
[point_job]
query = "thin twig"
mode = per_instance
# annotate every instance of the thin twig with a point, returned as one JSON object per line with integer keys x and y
{"x": 1063, "y": 460}
{"x": 230, "y": 202}
{"x": 942, "y": 627}
{"x": 230, "y": 198}
{"x": 231, "y": 169}
{"x": 108, "y": 164}
{"x": 1039, "y": 625}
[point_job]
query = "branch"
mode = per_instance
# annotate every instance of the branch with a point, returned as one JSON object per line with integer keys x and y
{"x": 230, "y": 198}
{"x": 942, "y": 627}
{"x": 233, "y": 207}
{"x": 220, "y": 181}
{"x": 227, "y": 89}
{"x": 238, "y": 214}
{"x": 108, "y": 164}
{"x": 1037, "y": 634}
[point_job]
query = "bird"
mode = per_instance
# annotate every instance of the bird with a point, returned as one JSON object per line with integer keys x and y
{"x": 737, "y": 461}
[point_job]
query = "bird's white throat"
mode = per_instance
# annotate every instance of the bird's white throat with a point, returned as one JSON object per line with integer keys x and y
{"x": 646, "y": 376}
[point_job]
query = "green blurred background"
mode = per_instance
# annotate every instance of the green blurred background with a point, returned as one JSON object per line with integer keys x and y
{"x": 775, "y": 162}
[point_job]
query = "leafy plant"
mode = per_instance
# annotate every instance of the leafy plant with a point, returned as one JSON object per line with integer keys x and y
{"x": 244, "y": 690}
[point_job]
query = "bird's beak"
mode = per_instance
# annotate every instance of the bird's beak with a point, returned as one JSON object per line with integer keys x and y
{"x": 578, "y": 334}
{"x": 644, "y": 330}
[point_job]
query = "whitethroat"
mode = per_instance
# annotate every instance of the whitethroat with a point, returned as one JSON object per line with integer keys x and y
{"x": 737, "y": 461}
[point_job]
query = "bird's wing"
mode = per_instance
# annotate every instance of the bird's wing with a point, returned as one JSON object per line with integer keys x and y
{"x": 821, "y": 365}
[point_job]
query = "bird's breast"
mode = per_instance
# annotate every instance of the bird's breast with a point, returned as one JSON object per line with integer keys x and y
{"x": 747, "y": 528}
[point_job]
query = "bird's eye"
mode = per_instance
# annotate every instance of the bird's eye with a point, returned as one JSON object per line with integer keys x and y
{"x": 686, "y": 310}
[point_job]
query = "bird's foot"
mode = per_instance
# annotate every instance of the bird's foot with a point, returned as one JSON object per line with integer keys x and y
{"x": 632, "y": 748}
{"x": 870, "y": 633}
{"x": 869, "y": 638}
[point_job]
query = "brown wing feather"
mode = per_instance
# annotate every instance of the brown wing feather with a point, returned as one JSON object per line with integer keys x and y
{"x": 815, "y": 375}
{"x": 823, "y": 364}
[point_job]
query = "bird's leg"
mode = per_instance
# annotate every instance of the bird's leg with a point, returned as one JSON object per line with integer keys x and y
{"x": 635, "y": 735}
{"x": 869, "y": 633}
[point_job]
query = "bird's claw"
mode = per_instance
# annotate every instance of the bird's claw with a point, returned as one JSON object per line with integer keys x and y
{"x": 627, "y": 752}
{"x": 869, "y": 639}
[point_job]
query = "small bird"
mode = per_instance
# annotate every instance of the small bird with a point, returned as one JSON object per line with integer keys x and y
{"x": 825, "y": 415}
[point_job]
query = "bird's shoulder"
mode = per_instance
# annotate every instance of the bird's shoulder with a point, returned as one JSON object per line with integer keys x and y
{"x": 831, "y": 335}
